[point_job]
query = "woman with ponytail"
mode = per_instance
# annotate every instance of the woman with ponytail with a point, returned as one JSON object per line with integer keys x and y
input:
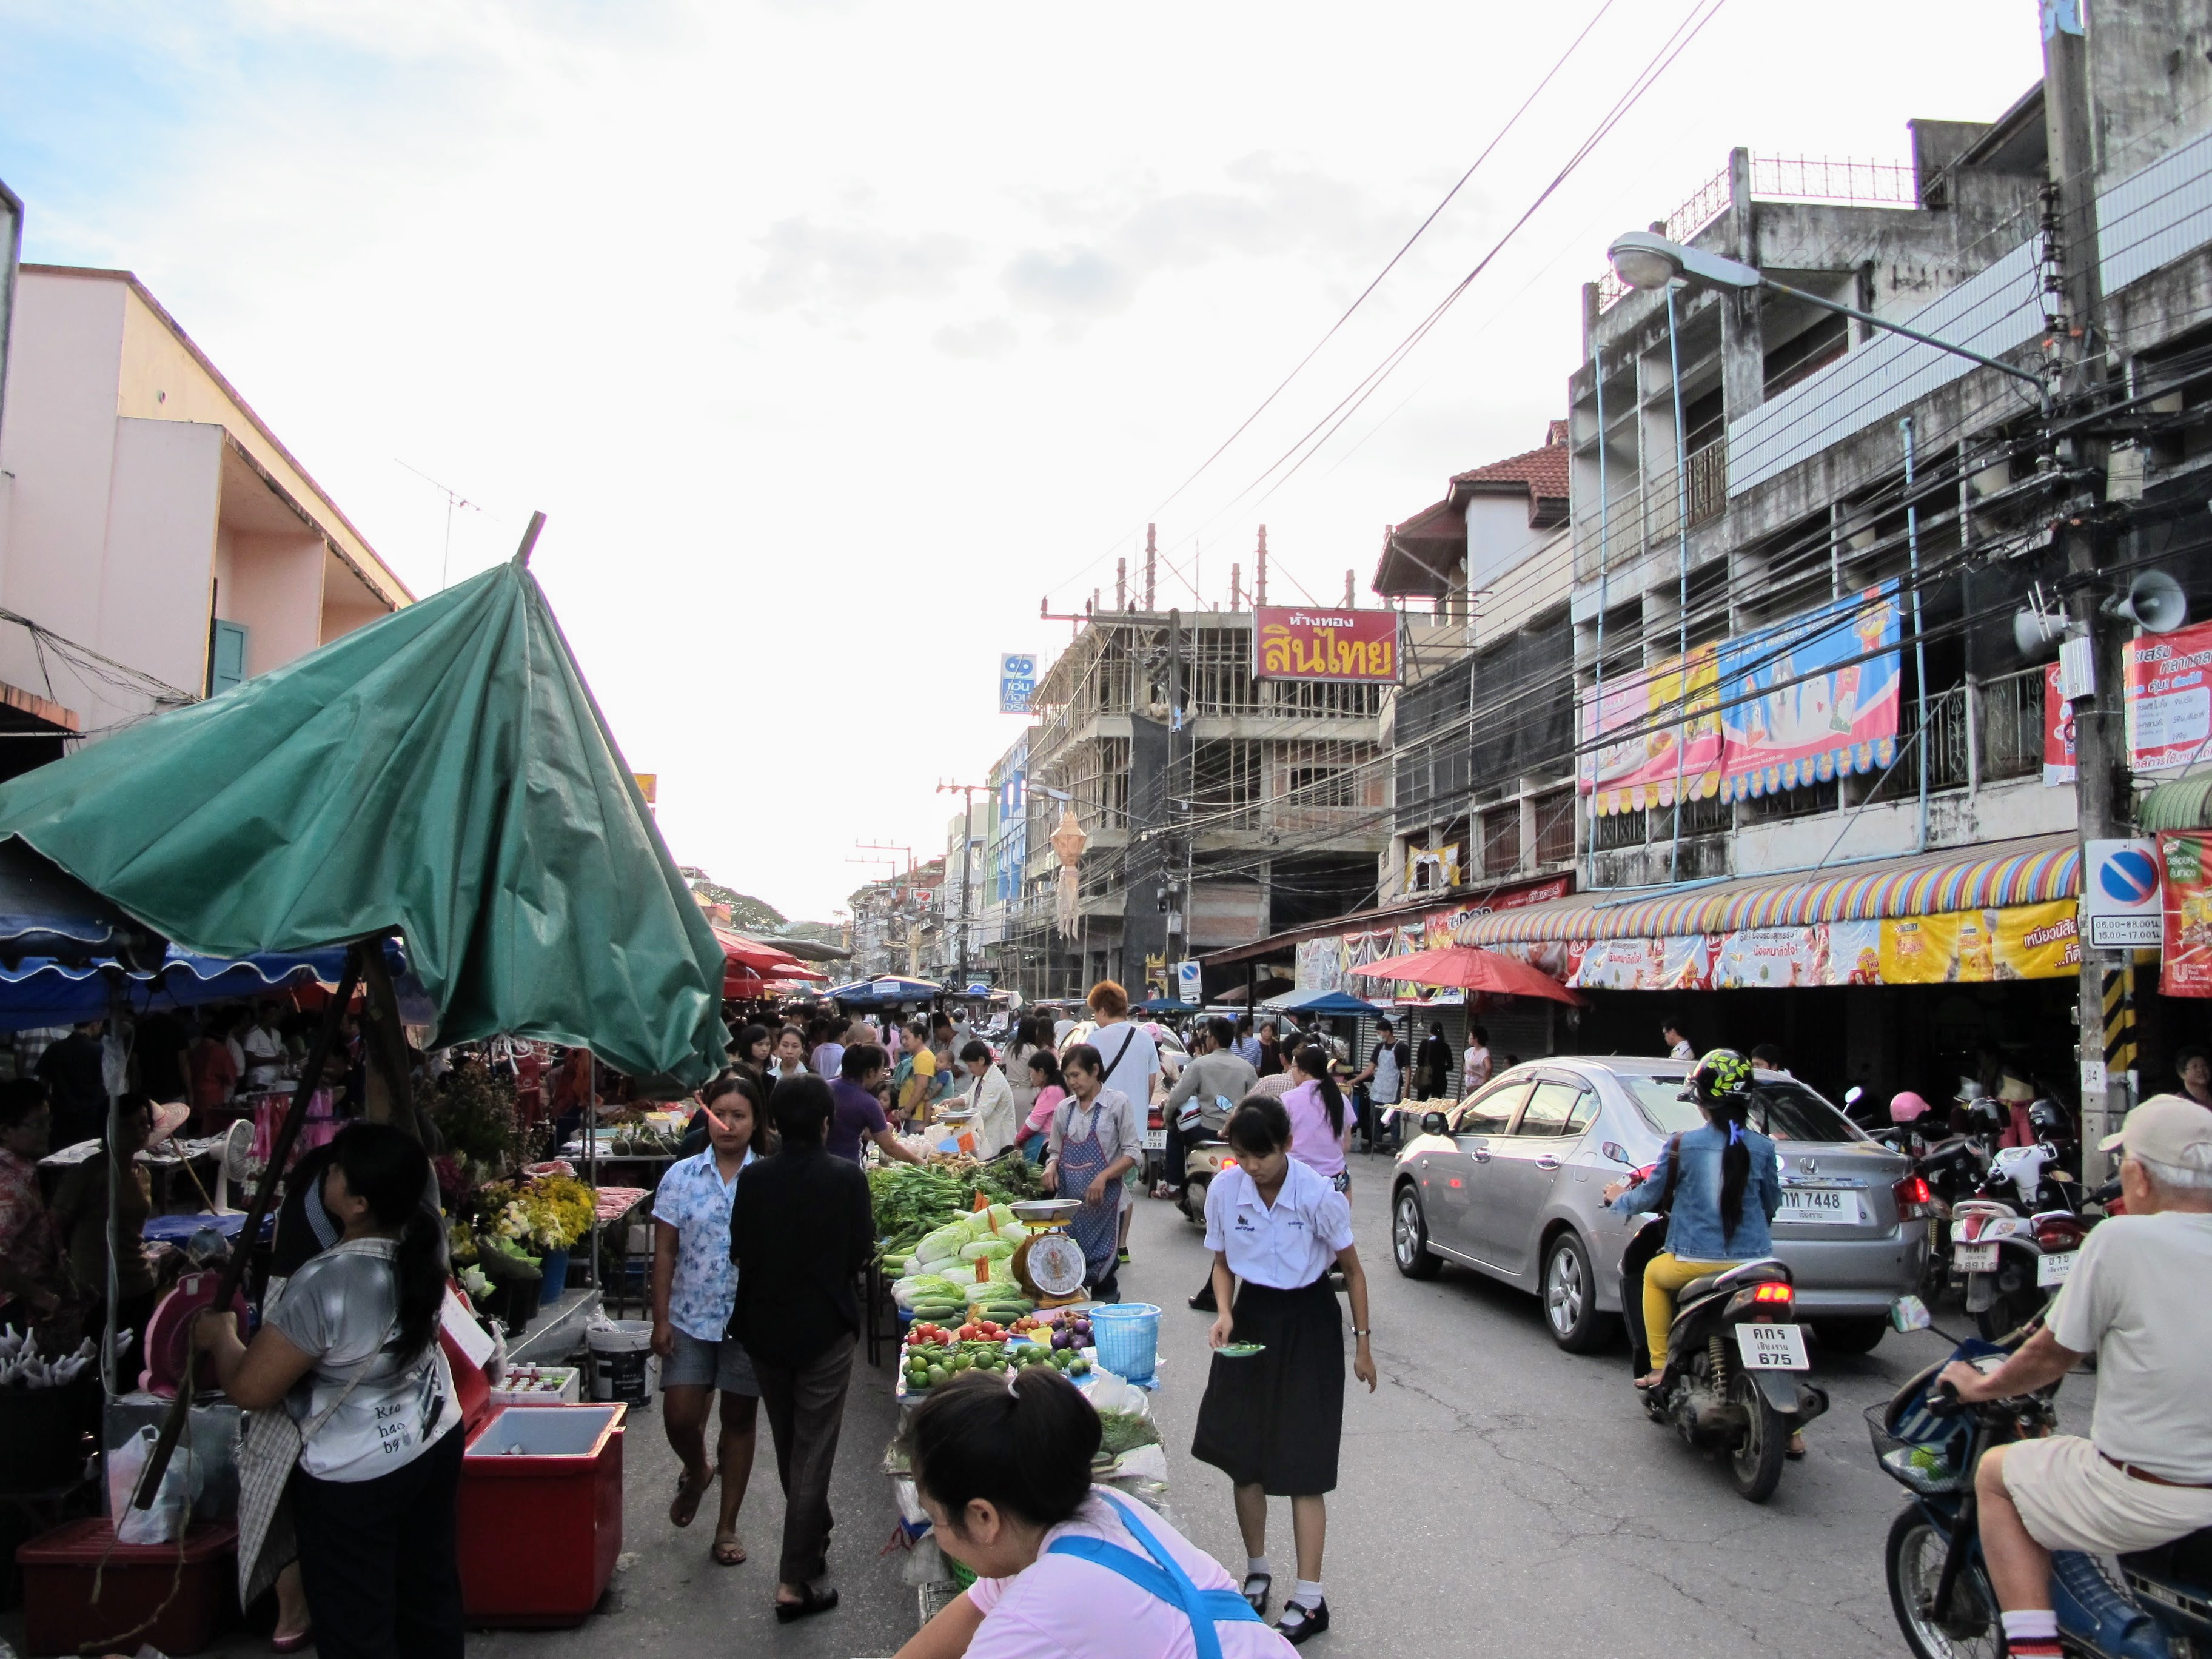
{"x": 1062, "y": 1566}
{"x": 350, "y": 1353}
{"x": 1705, "y": 1181}
{"x": 1320, "y": 1129}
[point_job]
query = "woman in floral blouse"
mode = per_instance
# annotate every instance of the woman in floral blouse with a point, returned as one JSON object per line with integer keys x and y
{"x": 695, "y": 1287}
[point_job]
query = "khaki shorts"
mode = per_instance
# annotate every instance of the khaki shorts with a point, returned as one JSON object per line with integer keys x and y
{"x": 2070, "y": 1498}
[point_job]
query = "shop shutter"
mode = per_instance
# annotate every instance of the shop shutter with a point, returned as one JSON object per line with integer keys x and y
{"x": 225, "y": 657}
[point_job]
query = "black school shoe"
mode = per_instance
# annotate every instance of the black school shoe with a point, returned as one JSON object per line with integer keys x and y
{"x": 1300, "y": 1621}
{"x": 1204, "y": 1301}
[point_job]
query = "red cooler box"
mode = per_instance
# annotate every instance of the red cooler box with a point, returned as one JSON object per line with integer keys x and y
{"x": 188, "y": 1601}
{"x": 540, "y": 1527}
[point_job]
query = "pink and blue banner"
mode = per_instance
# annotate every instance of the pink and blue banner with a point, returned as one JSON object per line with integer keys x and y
{"x": 1814, "y": 698}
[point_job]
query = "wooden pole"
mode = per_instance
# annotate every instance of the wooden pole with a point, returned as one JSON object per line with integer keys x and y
{"x": 529, "y": 539}
{"x": 234, "y": 1272}
{"x": 389, "y": 1088}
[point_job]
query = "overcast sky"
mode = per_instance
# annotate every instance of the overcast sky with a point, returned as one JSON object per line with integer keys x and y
{"x": 833, "y": 337}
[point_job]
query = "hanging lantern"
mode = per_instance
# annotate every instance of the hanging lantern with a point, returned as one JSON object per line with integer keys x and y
{"x": 1068, "y": 841}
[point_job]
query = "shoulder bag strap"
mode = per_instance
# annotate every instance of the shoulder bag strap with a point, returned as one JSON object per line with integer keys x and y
{"x": 1129, "y": 1037}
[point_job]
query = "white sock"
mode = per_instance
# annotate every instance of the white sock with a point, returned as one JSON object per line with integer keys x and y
{"x": 1257, "y": 1563}
{"x": 1308, "y": 1593}
{"x": 2036, "y": 1624}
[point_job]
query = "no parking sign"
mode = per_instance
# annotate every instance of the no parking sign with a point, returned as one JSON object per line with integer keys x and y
{"x": 2120, "y": 903}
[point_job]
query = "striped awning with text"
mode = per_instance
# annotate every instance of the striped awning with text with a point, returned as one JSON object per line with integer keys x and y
{"x": 1989, "y": 877}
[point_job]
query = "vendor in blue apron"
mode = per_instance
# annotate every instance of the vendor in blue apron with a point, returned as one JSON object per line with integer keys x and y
{"x": 1062, "y": 1566}
{"x": 1096, "y": 1138}
{"x": 1272, "y": 1417}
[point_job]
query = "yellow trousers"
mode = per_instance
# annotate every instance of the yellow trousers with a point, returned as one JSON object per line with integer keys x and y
{"x": 1667, "y": 1274}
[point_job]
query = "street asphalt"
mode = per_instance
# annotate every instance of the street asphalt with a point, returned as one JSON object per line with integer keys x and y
{"x": 1496, "y": 1495}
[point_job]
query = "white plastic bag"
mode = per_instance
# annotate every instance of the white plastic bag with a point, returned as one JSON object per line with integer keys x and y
{"x": 164, "y": 1522}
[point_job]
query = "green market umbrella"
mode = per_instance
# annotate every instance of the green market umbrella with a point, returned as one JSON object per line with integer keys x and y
{"x": 444, "y": 772}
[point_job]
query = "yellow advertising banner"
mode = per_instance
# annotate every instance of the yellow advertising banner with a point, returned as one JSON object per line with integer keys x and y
{"x": 1968, "y": 947}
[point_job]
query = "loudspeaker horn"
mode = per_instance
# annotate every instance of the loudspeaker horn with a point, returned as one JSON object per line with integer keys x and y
{"x": 2154, "y": 603}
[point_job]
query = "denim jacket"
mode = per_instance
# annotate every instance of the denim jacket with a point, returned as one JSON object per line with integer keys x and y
{"x": 1693, "y": 1229}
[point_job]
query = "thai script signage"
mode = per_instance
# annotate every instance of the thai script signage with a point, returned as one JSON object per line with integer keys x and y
{"x": 2186, "y": 885}
{"x": 2169, "y": 697}
{"x": 1294, "y": 643}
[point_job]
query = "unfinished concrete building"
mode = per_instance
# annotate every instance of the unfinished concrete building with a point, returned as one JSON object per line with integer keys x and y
{"x": 1220, "y": 807}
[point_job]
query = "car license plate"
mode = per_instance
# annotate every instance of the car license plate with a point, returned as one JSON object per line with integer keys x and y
{"x": 1772, "y": 1348}
{"x": 2053, "y": 1269}
{"x": 1975, "y": 1258}
{"x": 1156, "y": 1141}
{"x": 1834, "y": 1205}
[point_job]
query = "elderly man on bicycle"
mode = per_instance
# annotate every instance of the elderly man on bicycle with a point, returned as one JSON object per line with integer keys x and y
{"x": 2137, "y": 1300}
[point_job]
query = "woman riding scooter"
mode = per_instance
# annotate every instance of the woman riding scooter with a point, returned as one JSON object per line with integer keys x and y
{"x": 1704, "y": 1180}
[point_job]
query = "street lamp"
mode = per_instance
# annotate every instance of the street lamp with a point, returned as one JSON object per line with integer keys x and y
{"x": 1642, "y": 259}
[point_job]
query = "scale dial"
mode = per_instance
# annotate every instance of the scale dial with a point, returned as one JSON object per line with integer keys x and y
{"x": 1052, "y": 1265}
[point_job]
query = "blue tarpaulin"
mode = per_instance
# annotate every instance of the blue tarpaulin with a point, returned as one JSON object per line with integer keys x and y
{"x": 43, "y": 991}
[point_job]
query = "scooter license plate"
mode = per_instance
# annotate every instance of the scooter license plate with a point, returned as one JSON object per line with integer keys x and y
{"x": 1772, "y": 1348}
{"x": 1975, "y": 1258}
{"x": 1156, "y": 1141}
{"x": 2053, "y": 1269}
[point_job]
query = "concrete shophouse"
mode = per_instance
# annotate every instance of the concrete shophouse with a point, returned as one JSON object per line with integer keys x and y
{"x": 1854, "y": 828}
{"x": 158, "y": 542}
{"x": 1220, "y": 807}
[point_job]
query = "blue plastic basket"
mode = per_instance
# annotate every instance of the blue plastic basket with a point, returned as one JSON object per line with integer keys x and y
{"x": 1127, "y": 1334}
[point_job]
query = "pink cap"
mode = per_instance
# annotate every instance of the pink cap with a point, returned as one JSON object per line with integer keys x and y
{"x": 1904, "y": 1107}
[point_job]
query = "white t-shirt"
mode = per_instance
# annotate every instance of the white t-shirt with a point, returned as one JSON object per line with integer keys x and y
{"x": 2135, "y": 1299}
{"x": 1284, "y": 1246}
{"x": 1131, "y": 1069}
{"x": 1682, "y": 1050}
{"x": 264, "y": 1054}
{"x": 1070, "y": 1609}
{"x": 1474, "y": 1068}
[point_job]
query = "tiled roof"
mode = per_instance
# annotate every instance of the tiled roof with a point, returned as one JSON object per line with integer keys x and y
{"x": 1542, "y": 471}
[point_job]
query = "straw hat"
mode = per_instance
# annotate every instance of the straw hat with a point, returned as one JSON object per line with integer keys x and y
{"x": 169, "y": 1116}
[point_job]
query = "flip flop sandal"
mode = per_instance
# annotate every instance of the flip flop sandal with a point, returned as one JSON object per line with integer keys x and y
{"x": 811, "y": 1601}
{"x": 721, "y": 1553}
{"x": 685, "y": 1508}
{"x": 1258, "y": 1597}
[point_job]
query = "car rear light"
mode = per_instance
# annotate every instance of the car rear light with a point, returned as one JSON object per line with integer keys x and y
{"x": 1915, "y": 1199}
{"x": 2059, "y": 1233}
{"x": 1774, "y": 1292}
{"x": 1152, "y": 1118}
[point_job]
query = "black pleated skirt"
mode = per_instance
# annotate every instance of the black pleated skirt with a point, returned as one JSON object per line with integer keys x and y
{"x": 1275, "y": 1419}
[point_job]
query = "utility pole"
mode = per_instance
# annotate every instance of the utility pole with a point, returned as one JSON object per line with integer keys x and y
{"x": 2076, "y": 337}
{"x": 967, "y": 856}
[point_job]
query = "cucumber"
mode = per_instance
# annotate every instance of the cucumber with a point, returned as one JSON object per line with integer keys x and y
{"x": 936, "y": 1311}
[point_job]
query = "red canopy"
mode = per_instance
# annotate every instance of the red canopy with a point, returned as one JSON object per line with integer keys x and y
{"x": 1472, "y": 970}
{"x": 748, "y": 962}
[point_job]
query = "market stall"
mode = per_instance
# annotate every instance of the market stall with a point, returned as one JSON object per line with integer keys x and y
{"x": 980, "y": 1273}
{"x": 442, "y": 777}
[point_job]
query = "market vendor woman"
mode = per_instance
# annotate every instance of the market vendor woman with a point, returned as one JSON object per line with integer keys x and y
{"x": 1095, "y": 1139}
{"x": 1272, "y": 1419}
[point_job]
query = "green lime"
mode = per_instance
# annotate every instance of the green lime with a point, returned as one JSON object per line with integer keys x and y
{"x": 937, "y": 1374}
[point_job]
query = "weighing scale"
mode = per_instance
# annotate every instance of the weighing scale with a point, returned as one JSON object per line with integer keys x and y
{"x": 1049, "y": 1262}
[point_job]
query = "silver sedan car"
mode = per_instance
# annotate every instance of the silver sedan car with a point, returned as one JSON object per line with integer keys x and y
{"x": 1508, "y": 1183}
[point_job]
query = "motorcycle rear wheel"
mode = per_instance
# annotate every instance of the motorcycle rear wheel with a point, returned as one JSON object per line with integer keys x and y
{"x": 1912, "y": 1560}
{"x": 1755, "y": 1462}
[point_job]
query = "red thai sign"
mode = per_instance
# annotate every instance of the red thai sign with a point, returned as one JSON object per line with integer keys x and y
{"x": 1291, "y": 643}
{"x": 2058, "y": 765}
{"x": 2186, "y": 882}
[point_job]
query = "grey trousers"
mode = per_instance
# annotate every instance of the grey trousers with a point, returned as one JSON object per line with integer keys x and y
{"x": 805, "y": 1410}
